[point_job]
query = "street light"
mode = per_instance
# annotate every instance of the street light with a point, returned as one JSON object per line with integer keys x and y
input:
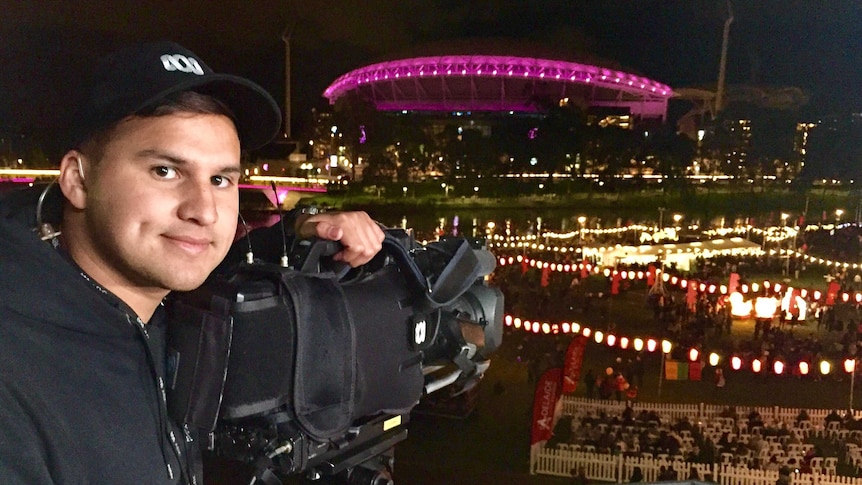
{"x": 581, "y": 221}
{"x": 677, "y": 218}
{"x": 784, "y": 216}
{"x": 838, "y": 214}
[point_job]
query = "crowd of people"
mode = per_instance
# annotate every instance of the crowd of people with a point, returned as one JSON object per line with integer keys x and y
{"x": 748, "y": 440}
{"x": 704, "y": 321}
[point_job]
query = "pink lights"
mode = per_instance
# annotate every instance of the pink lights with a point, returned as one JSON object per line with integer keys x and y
{"x": 643, "y": 96}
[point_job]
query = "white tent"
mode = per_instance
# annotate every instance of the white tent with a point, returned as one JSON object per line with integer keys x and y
{"x": 681, "y": 254}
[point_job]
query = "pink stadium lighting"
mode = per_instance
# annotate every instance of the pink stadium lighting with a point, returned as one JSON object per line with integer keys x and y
{"x": 693, "y": 354}
{"x": 651, "y": 345}
{"x": 566, "y": 327}
{"x": 508, "y": 320}
{"x": 624, "y": 343}
{"x": 778, "y": 367}
{"x": 735, "y": 363}
{"x": 405, "y": 84}
{"x": 611, "y": 340}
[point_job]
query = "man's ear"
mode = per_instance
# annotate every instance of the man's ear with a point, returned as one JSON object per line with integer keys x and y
{"x": 71, "y": 181}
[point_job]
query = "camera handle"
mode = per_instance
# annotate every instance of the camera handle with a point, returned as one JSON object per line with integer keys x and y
{"x": 318, "y": 258}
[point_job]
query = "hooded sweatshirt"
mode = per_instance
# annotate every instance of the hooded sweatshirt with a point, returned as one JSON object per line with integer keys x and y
{"x": 82, "y": 397}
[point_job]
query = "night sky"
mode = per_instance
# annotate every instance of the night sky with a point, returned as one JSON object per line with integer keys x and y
{"x": 47, "y": 46}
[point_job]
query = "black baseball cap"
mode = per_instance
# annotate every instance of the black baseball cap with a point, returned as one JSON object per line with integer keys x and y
{"x": 141, "y": 76}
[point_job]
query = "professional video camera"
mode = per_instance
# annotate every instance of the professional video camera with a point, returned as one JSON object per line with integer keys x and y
{"x": 311, "y": 370}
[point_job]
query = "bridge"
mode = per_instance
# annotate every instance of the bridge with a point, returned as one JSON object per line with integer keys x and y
{"x": 288, "y": 189}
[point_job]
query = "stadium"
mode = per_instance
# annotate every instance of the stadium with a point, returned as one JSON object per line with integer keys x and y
{"x": 456, "y": 82}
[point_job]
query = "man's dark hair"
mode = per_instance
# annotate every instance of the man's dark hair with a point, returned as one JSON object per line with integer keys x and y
{"x": 189, "y": 102}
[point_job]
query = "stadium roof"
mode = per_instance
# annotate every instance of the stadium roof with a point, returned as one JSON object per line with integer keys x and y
{"x": 463, "y": 82}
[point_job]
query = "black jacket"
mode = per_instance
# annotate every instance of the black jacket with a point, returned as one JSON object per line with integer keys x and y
{"x": 80, "y": 375}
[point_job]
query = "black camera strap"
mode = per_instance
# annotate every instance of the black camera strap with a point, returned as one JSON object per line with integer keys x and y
{"x": 459, "y": 274}
{"x": 325, "y": 374}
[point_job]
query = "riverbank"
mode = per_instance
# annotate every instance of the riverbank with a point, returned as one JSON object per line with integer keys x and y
{"x": 697, "y": 202}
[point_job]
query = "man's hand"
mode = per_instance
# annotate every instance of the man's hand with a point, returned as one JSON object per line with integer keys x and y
{"x": 360, "y": 236}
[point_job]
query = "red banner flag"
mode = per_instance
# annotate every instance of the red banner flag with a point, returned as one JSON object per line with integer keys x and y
{"x": 546, "y": 405}
{"x": 832, "y": 292}
{"x": 733, "y": 283}
{"x": 615, "y": 283}
{"x": 574, "y": 360}
{"x": 695, "y": 371}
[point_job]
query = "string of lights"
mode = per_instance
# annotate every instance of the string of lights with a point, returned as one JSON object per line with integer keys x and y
{"x": 760, "y": 300}
{"x": 735, "y": 361}
{"x": 773, "y": 232}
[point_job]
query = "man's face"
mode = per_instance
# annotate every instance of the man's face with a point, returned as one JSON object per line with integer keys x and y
{"x": 161, "y": 204}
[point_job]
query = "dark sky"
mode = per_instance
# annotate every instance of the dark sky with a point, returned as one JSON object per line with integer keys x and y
{"x": 46, "y": 46}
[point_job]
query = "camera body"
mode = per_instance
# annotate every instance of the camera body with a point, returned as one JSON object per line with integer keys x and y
{"x": 305, "y": 370}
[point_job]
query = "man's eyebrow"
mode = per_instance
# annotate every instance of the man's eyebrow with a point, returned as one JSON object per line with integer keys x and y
{"x": 180, "y": 161}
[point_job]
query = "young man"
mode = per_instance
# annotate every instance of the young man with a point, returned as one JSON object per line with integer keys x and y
{"x": 147, "y": 204}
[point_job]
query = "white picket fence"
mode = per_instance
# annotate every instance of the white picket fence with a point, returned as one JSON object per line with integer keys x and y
{"x": 561, "y": 461}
